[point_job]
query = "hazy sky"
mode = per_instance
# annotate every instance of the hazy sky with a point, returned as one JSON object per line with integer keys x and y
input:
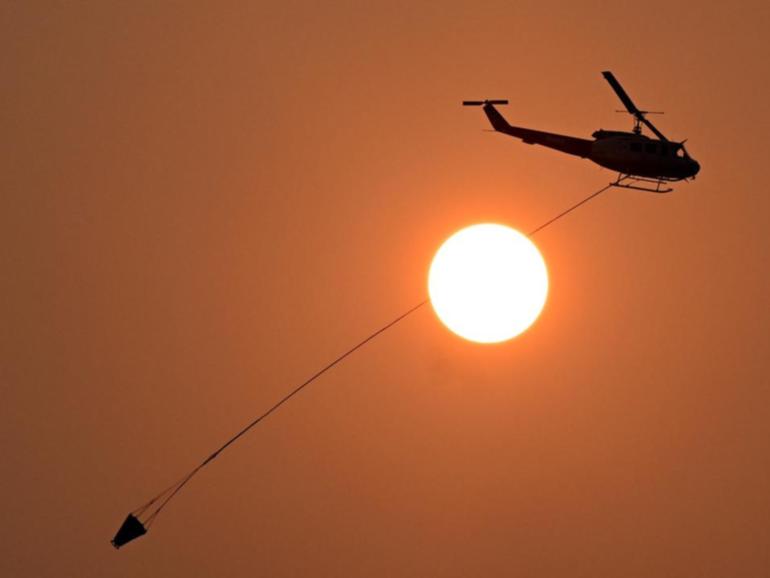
{"x": 203, "y": 203}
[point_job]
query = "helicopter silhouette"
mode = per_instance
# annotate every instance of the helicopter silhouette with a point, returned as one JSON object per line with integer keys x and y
{"x": 643, "y": 163}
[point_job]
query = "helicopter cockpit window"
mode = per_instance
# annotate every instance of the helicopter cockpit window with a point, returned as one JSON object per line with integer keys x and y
{"x": 650, "y": 147}
{"x": 636, "y": 147}
{"x": 680, "y": 152}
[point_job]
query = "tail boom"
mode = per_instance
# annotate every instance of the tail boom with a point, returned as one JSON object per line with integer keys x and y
{"x": 567, "y": 144}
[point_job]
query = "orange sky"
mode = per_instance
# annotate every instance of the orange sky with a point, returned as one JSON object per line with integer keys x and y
{"x": 203, "y": 203}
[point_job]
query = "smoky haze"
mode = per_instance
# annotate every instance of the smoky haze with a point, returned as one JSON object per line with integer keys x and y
{"x": 203, "y": 204}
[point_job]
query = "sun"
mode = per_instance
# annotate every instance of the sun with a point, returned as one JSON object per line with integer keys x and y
{"x": 488, "y": 283}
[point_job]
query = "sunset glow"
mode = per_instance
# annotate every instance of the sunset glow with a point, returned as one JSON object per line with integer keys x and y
{"x": 488, "y": 283}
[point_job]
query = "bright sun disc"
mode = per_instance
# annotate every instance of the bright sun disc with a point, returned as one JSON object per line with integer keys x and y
{"x": 488, "y": 283}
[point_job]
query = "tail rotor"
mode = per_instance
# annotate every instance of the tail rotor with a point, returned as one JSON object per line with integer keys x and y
{"x": 483, "y": 102}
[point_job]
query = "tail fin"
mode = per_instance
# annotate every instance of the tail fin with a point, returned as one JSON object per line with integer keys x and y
{"x": 497, "y": 120}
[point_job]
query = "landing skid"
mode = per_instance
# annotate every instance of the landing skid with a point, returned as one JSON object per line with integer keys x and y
{"x": 637, "y": 183}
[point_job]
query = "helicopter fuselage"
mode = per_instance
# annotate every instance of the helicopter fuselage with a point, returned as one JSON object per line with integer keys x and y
{"x": 636, "y": 154}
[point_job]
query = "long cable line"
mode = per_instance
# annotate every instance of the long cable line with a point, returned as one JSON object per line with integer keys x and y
{"x": 179, "y": 485}
{"x": 166, "y": 495}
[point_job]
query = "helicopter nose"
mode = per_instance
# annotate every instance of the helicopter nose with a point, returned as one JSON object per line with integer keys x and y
{"x": 695, "y": 166}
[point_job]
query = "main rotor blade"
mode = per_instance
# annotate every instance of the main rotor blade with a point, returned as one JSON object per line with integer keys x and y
{"x": 624, "y": 98}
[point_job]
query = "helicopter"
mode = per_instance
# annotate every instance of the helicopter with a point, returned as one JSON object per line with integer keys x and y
{"x": 643, "y": 163}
